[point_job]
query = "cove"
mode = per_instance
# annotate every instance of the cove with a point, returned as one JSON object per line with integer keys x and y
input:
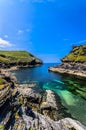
{"x": 72, "y": 91}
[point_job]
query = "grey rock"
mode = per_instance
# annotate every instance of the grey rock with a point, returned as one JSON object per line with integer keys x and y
{"x": 45, "y": 123}
{"x": 50, "y": 101}
{"x": 31, "y": 94}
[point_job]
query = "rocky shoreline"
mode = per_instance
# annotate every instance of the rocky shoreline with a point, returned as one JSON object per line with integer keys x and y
{"x": 73, "y": 63}
{"x": 23, "y": 107}
{"x": 77, "y": 69}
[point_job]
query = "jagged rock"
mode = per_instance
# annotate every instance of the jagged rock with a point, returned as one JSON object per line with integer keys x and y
{"x": 50, "y": 101}
{"x": 8, "y": 76}
{"x": 74, "y": 63}
{"x": 31, "y": 94}
{"x": 77, "y": 69}
{"x": 22, "y": 117}
{"x": 38, "y": 121}
{"x": 4, "y": 93}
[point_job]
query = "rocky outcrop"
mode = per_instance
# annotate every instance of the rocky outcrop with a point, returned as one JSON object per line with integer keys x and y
{"x": 18, "y": 58}
{"x": 33, "y": 120}
{"x": 74, "y": 63}
{"x": 77, "y": 69}
{"x": 23, "y": 107}
{"x": 6, "y": 86}
{"x": 77, "y": 54}
{"x": 50, "y": 101}
{"x": 4, "y": 93}
{"x": 30, "y": 94}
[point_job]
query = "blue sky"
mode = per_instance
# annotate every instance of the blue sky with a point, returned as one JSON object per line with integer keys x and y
{"x": 46, "y": 28}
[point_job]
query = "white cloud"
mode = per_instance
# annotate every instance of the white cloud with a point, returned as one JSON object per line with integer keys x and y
{"x": 5, "y": 43}
{"x": 82, "y": 41}
{"x": 20, "y": 32}
{"x": 6, "y": 36}
{"x": 78, "y": 42}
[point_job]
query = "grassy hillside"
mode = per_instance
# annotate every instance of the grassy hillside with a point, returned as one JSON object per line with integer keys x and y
{"x": 78, "y": 54}
{"x": 17, "y": 57}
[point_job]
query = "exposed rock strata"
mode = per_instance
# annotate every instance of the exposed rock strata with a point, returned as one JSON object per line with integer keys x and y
{"x": 76, "y": 69}
{"x": 74, "y": 63}
{"x": 34, "y": 120}
{"x": 16, "y": 111}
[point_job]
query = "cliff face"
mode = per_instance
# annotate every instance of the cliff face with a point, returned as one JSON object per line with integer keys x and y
{"x": 74, "y": 63}
{"x": 18, "y": 58}
{"x": 4, "y": 92}
{"x": 6, "y": 86}
{"x": 78, "y": 54}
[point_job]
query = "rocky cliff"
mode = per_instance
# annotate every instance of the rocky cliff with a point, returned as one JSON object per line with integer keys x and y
{"x": 77, "y": 54}
{"x": 74, "y": 63}
{"x": 18, "y": 58}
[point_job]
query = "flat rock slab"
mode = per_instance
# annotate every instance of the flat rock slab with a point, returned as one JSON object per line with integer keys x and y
{"x": 67, "y": 71}
{"x": 50, "y": 101}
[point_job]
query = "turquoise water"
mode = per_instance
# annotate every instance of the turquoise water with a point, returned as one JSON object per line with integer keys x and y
{"x": 72, "y": 91}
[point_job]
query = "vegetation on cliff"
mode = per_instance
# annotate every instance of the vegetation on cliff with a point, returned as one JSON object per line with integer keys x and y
{"x": 18, "y": 58}
{"x": 78, "y": 54}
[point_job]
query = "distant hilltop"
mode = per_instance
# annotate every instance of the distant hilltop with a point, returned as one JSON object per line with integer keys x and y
{"x": 18, "y": 58}
{"x": 78, "y": 54}
{"x": 74, "y": 63}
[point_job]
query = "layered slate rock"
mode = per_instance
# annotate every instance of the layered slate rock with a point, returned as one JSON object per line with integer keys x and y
{"x": 30, "y": 94}
{"x": 18, "y": 112}
{"x": 74, "y": 63}
{"x": 5, "y": 90}
{"x": 33, "y": 120}
{"x": 4, "y": 93}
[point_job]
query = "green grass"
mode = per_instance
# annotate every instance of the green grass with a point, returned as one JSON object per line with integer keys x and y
{"x": 16, "y": 57}
{"x": 1, "y": 81}
{"x": 1, "y": 127}
{"x": 78, "y": 54}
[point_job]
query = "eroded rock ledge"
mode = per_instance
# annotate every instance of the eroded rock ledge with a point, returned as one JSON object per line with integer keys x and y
{"x": 23, "y": 108}
{"x": 74, "y": 63}
{"x": 77, "y": 69}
